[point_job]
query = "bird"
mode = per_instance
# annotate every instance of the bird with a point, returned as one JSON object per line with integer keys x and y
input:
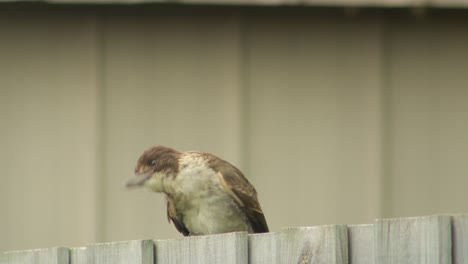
{"x": 205, "y": 194}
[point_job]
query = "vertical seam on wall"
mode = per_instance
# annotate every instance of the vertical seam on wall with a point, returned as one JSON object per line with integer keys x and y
{"x": 244, "y": 92}
{"x": 386, "y": 156}
{"x": 101, "y": 125}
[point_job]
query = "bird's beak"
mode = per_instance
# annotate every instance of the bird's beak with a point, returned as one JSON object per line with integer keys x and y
{"x": 138, "y": 180}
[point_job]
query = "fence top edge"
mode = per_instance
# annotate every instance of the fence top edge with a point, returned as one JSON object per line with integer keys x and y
{"x": 445, "y": 218}
{"x": 435, "y": 216}
{"x": 58, "y": 248}
{"x": 313, "y": 227}
{"x": 79, "y": 248}
{"x": 360, "y": 225}
{"x": 120, "y": 242}
{"x": 213, "y": 236}
{"x": 459, "y": 215}
{"x": 262, "y": 234}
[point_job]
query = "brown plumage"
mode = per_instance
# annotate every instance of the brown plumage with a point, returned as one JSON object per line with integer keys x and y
{"x": 205, "y": 194}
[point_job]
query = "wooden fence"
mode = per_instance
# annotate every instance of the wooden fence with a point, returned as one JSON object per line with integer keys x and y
{"x": 430, "y": 239}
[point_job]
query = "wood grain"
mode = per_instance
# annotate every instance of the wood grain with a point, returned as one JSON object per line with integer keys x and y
{"x": 361, "y": 244}
{"x": 413, "y": 240}
{"x": 321, "y": 244}
{"x": 460, "y": 239}
{"x": 56, "y": 255}
{"x": 224, "y": 248}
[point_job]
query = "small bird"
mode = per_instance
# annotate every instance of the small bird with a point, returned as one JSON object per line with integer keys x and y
{"x": 205, "y": 194}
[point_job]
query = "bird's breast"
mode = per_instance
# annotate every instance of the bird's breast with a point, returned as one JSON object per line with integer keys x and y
{"x": 213, "y": 214}
{"x": 205, "y": 206}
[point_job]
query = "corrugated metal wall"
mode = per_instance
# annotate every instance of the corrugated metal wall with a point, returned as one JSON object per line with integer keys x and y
{"x": 335, "y": 117}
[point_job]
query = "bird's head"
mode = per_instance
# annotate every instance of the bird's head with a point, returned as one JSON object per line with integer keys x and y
{"x": 154, "y": 166}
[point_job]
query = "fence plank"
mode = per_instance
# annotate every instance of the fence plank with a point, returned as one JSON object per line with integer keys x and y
{"x": 222, "y": 248}
{"x": 264, "y": 248}
{"x": 460, "y": 239}
{"x": 413, "y": 240}
{"x": 321, "y": 244}
{"x": 56, "y": 255}
{"x": 81, "y": 255}
{"x": 134, "y": 251}
{"x": 361, "y": 244}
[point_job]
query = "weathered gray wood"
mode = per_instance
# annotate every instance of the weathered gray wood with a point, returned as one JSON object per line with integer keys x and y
{"x": 321, "y": 244}
{"x": 361, "y": 244}
{"x": 134, "y": 251}
{"x": 423, "y": 240}
{"x": 430, "y": 239}
{"x": 56, "y": 255}
{"x": 81, "y": 255}
{"x": 460, "y": 239}
{"x": 264, "y": 248}
{"x": 223, "y": 248}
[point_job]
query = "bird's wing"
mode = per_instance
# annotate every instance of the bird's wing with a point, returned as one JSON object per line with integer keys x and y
{"x": 175, "y": 217}
{"x": 240, "y": 189}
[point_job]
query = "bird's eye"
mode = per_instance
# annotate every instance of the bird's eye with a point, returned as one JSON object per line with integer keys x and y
{"x": 152, "y": 163}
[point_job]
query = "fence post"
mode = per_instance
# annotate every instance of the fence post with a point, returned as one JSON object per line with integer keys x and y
{"x": 133, "y": 251}
{"x": 361, "y": 244}
{"x": 264, "y": 248}
{"x": 80, "y": 255}
{"x": 413, "y": 240}
{"x": 460, "y": 239}
{"x": 321, "y": 244}
{"x": 223, "y": 248}
{"x": 56, "y": 255}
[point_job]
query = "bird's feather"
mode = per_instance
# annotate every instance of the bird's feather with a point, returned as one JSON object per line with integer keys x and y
{"x": 240, "y": 189}
{"x": 175, "y": 217}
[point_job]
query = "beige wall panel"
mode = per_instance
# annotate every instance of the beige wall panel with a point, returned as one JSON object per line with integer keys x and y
{"x": 427, "y": 106}
{"x": 48, "y": 127}
{"x": 300, "y": 99}
{"x": 172, "y": 78}
{"x": 313, "y": 111}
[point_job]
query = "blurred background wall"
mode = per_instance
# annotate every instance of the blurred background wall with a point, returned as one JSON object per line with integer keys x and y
{"x": 336, "y": 115}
